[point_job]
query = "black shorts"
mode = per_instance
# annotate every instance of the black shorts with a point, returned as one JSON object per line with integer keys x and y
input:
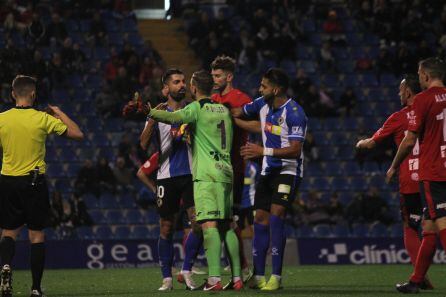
{"x": 237, "y": 189}
{"x": 22, "y": 203}
{"x": 411, "y": 209}
{"x": 245, "y": 217}
{"x": 174, "y": 193}
{"x": 275, "y": 188}
{"x": 434, "y": 199}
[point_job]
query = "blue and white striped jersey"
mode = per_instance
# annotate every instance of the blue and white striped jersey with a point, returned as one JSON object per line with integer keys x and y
{"x": 175, "y": 153}
{"x": 279, "y": 126}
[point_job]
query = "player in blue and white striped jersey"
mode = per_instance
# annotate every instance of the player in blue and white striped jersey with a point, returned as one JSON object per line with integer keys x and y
{"x": 174, "y": 181}
{"x": 283, "y": 127}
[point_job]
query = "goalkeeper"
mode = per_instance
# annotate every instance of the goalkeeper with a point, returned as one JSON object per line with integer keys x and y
{"x": 211, "y": 132}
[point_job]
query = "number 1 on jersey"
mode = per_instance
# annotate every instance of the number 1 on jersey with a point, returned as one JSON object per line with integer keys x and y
{"x": 222, "y": 128}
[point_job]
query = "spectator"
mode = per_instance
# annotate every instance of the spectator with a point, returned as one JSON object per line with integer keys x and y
{"x": 333, "y": 28}
{"x": 126, "y": 53}
{"x": 335, "y": 209}
{"x": 354, "y": 210}
{"x": 105, "y": 177}
{"x": 122, "y": 86}
{"x": 146, "y": 72}
{"x": 87, "y": 180}
{"x": 264, "y": 43}
{"x": 57, "y": 212}
{"x": 375, "y": 208}
{"x": 300, "y": 84}
{"x": 98, "y": 33}
{"x": 123, "y": 175}
{"x": 67, "y": 54}
{"x": 347, "y": 102}
{"x": 107, "y": 103}
{"x": 56, "y": 31}
{"x": 58, "y": 73}
{"x": 315, "y": 210}
{"x": 36, "y": 30}
{"x": 326, "y": 57}
{"x": 385, "y": 61}
{"x": 327, "y": 105}
{"x": 111, "y": 69}
{"x": 80, "y": 215}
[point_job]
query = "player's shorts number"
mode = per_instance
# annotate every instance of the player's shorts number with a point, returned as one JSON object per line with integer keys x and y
{"x": 160, "y": 191}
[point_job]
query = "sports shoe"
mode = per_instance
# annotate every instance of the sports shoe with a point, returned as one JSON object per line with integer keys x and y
{"x": 36, "y": 293}
{"x": 167, "y": 285}
{"x": 426, "y": 284}
{"x": 408, "y": 288}
{"x": 6, "y": 281}
{"x": 247, "y": 274}
{"x": 257, "y": 283}
{"x": 186, "y": 278}
{"x": 236, "y": 286}
{"x": 273, "y": 284}
{"x": 216, "y": 287}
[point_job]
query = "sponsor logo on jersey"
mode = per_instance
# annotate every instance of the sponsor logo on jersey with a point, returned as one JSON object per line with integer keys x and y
{"x": 297, "y": 130}
{"x": 441, "y": 205}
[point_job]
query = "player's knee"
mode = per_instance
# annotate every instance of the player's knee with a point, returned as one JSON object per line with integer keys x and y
{"x": 10, "y": 233}
{"x": 261, "y": 217}
{"x": 36, "y": 236}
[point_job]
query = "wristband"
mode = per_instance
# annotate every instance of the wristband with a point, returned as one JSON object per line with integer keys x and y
{"x": 268, "y": 151}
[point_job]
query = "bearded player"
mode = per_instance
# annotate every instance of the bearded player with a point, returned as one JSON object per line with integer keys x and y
{"x": 223, "y": 68}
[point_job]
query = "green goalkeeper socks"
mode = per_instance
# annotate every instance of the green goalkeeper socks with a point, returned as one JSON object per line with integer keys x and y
{"x": 212, "y": 247}
{"x": 232, "y": 246}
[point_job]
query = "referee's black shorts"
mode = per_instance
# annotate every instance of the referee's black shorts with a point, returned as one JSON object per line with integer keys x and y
{"x": 24, "y": 203}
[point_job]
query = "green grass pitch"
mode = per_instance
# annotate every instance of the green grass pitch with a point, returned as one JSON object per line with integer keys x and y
{"x": 300, "y": 281}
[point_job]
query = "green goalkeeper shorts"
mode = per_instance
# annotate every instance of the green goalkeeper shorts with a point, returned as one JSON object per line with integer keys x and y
{"x": 213, "y": 200}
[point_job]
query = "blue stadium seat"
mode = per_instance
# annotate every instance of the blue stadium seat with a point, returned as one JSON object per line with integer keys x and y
{"x": 290, "y": 231}
{"x": 322, "y": 230}
{"x": 396, "y": 230}
{"x": 140, "y": 232}
{"x": 55, "y": 170}
{"x": 304, "y": 231}
{"x": 115, "y": 39}
{"x": 134, "y": 216}
{"x": 51, "y": 234}
{"x": 340, "y": 183}
{"x": 110, "y": 25}
{"x": 98, "y": 217}
{"x": 378, "y": 230}
{"x": 90, "y": 201}
{"x": 129, "y": 25}
{"x": 151, "y": 217}
{"x": 332, "y": 169}
{"x": 321, "y": 184}
{"x": 135, "y": 39}
{"x": 115, "y": 217}
{"x": 107, "y": 201}
{"x": 72, "y": 170}
{"x": 341, "y": 230}
{"x": 85, "y": 233}
{"x": 154, "y": 232}
{"x": 64, "y": 185}
{"x": 103, "y": 232}
{"x": 314, "y": 169}
{"x": 388, "y": 79}
{"x": 126, "y": 201}
{"x": 68, "y": 155}
{"x": 346, "y": 152}
{"x": 359, "y": 230}
{"x": 289, "y": 66}
{"x": 84, "y": 25}
{"x": 309, "y": 25}
{"x": 358, "y": 183}
{"x": 122, "y": 232}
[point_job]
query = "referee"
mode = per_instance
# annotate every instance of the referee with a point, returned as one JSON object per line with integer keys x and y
{"x": 24, "y": 198}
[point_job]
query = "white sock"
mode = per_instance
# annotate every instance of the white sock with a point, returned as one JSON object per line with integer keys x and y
{"x": 259, "y": 277}
{"x": 236, "y": 279}
{"x": 276, "y": 276}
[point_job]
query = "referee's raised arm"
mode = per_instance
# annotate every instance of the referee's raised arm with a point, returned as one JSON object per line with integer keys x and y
{"x": 73, "y": 130}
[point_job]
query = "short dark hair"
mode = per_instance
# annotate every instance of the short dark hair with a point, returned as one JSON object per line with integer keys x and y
{"x": 169, "y": 72}
{"x": 23, "y": 85}
{"x": 278, "y": 77}
{"x": 412, "y": 82}
{"x": 203, "y": 81}
{"x": 224, "y": 63}
{"x": 434, "y": 66}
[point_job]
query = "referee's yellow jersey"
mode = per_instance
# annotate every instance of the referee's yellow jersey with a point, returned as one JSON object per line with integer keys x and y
{"x": 23, "y": 132}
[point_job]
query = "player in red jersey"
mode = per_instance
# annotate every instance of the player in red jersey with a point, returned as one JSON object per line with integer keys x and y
{"x": 410, "y": 201}
{"x": 223, "y": 68}
{"x": 427, "y": 122}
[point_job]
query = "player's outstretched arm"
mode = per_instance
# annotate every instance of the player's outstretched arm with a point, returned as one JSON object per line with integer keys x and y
{"x": 250, "y": 126}
{"x": 252, "y": 151}
{"x": 73, "y": 130}
{"x": 185, "y": 115}
{"x": 404, "y": 150}
{"x": 368, "y": 143}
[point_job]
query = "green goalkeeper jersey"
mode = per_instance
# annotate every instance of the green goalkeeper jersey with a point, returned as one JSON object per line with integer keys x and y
{"x": 210, "y": 125}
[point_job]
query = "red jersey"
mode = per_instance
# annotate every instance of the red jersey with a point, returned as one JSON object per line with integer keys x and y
{"x": 235, "y": 98}
{"x": 396, "y": 126}
{"x": 428, "y": 118}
